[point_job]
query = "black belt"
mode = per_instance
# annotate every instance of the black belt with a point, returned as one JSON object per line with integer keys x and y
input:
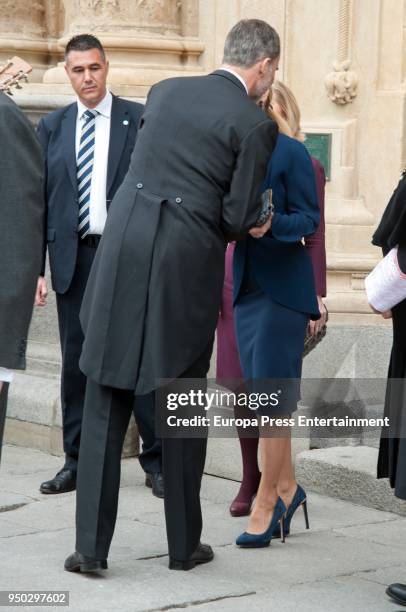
{"x": 91, "y": 240}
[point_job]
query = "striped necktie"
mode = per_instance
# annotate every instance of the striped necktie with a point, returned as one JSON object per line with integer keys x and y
{"x": 84, "y": 168}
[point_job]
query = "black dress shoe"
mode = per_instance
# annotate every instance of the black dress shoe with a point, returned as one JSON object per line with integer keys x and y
{"x": 397, "y": 592}
{"x": 64, "y": 481}
{"x": 203, "y": 554}
{"x": 155, "y": 481}
{"x": 76, "y": 562}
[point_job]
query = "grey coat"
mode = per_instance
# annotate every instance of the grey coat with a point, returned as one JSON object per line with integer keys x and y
{"x": 21, "y": 230}
{"x": 153, "y": 296}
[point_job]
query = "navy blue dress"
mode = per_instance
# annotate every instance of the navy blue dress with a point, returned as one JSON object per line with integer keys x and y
{"x": 274, "y": 288}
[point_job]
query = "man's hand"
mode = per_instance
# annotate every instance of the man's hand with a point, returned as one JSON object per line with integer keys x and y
{"x": 316, "y": 326}
{"x": 42, "y": 292}
{"x": 258, "y": 232}
{"x": 1, "y": 386}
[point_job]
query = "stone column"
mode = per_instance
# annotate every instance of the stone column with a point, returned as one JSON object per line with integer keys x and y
{"x": 145, "y": 40}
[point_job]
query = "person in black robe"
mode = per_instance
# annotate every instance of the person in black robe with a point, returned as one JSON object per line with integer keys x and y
{"x": 391, "y": 232}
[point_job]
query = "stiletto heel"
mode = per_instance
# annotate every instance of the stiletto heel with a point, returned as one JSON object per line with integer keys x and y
{"x": 304, "y": 505}
{"x": 260, "y": 540}
{"x": 299, "y": 499}
{"x": 282, "y": 529}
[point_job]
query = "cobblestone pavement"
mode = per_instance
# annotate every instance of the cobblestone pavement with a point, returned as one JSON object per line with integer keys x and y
{"x": 342, "y": 564}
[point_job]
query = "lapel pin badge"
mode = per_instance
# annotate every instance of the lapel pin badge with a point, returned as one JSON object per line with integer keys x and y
{"x": 125, "y": 122}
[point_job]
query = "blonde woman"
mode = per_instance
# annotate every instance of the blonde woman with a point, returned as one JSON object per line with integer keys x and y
{"x": 267, "y": 299}
{"x": 282, "y": 105}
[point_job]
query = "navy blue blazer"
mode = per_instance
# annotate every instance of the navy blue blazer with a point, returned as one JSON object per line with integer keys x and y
{"x": 57, "y": 133}
{"x": 279, "y": 261}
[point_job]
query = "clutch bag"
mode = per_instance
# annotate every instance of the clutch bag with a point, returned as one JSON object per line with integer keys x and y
{"x": 312, "y": 340}
{"x": 386, "y": 284}
{"x": 267, "y": 208}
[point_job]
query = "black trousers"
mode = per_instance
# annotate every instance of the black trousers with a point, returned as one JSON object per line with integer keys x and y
{"x": 3, "y": 409}
{"x": 106, "y": 415}
{"x": 73, "y": 381}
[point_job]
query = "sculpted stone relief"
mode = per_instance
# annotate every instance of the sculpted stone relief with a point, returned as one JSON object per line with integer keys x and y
{"x": 341, "y": 85}
{"x": 16, "y": 19}
{"x": 102, "y": 7}
{"x": 148, "y": 14}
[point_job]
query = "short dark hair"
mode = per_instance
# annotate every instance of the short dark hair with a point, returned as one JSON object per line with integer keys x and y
{"x": 84, "y": 42}
{"x": 250, "y": 41}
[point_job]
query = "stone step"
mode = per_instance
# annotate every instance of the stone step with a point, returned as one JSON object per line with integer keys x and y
{"x": 349, "y": 473}
{"x": 34, "y": 415}
{"x": 44, "y": 358}
{"x": 223, "y": 456}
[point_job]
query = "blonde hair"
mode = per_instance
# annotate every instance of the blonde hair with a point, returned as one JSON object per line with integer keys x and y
{"x": 289, "y": 121}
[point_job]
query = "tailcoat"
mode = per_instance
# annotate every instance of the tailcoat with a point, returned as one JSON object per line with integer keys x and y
{"x": 153, "y": 296}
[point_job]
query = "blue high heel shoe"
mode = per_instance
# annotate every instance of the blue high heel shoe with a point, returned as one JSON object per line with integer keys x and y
{"x": 299, "y": 499}
{"x": 261, "y": 540}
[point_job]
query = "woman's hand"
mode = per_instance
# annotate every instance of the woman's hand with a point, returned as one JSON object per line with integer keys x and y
{"x": 316, "y": 326}
{"x": 386, "y": 314}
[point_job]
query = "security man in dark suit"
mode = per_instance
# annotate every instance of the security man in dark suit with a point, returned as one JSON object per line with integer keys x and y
{"x": 194, "y": 184}
{"x": 21, "y": 230}
{"x": 87, "y": 147}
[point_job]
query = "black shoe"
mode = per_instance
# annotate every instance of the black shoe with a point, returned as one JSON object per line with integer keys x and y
{"x": 155, "y": 481}
{"x": 64, "y": 481}
{"x": 397, "y": 592}
{"x": 203, "y": 554}
{"x": 76, "y": 562}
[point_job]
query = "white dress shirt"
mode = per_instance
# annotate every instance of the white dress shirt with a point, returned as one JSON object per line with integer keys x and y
{"x": 97, "y": 204}
{"x": 237, "y": 76}
{"x": 6, "y": 375}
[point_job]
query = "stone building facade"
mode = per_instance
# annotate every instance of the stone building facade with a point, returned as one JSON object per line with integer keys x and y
{"x": 344, "y": 60}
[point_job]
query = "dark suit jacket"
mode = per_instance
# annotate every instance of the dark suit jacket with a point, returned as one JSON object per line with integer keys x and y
{"x": 279, "y": 261}
{"x": 21, "y": 230}
{"x": 57, "y": 134}
{"x": 152, "y": 300}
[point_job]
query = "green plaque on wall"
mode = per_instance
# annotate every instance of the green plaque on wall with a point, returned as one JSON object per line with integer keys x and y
{"x": 319, "y": 146}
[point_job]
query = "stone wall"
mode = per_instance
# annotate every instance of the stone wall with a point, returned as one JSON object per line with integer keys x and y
{"x": 344, "y": 59}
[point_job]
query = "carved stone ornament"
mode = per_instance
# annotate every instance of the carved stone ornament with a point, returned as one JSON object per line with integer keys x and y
{"x": 341, "y": 84}
{"x": 101, "y": 7}
{"x": 22, "y": 21}
{"x": 163, "y": 16}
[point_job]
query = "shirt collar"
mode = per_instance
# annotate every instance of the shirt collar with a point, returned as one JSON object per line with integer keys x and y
{"x": 103, "y": 108}
{"x": 237, "y": 76}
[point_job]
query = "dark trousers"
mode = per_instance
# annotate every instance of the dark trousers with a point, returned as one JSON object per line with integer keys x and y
{"x": 106, "y": 415}
{"x": 3, "y": 408}
{"x": 73, "y": 381}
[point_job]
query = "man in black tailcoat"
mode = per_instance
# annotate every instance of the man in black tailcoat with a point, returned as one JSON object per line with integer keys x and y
{"x": 152, "y": 301}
